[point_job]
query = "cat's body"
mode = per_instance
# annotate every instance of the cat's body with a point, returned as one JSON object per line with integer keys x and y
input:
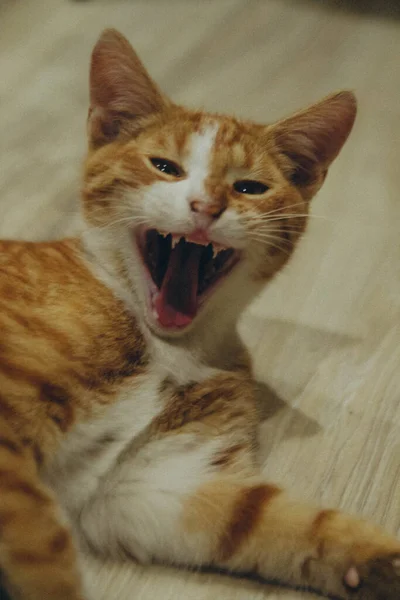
{"x": 123, "y": 385}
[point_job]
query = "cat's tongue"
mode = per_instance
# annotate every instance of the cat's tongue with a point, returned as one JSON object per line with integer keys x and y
{"x": 176, "y": 304}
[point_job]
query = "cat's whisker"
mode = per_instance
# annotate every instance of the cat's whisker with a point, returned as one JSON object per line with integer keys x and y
{"x": 285, "y": 216}
{"x": 301, "y": 203}
{"x": 123, "y": 220}
{"x": 283, "y": 208}
{"x": 283, "y": 229}
{"x": 298, "y": 216}
{"x": 268, "y": 242}
{"x": 116, "y": 205}
{"x": 120, "y": 209}
{"x": 267, "y": 233}
{"x": 266, "y": 236}
{"x": 290, "y": 206}
{"x": 279, "y": 248}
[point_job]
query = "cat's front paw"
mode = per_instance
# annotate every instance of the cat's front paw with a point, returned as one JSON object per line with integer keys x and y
{"x": 376, "y": 579}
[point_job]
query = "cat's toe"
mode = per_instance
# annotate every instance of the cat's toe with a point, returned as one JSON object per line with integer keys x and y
{"x": 377, "y": 579}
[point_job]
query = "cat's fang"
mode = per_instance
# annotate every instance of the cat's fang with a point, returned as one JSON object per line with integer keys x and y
{"x": 217, "y": 248}
{"x": 181, "y": 274}
{"x": 175, "y": 240}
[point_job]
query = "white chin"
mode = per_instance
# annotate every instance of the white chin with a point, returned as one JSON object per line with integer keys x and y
{"x": 168, "y": 332}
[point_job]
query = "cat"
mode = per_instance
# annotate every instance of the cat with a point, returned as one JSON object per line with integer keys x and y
{"x": 128, "y": 419}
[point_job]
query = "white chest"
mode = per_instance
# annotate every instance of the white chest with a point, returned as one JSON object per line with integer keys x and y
{"x": 91, "y": 449}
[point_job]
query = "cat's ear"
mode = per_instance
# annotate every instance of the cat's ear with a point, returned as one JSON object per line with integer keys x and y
{"x": 121, "y": 91}
{"x": 312, "y": 139}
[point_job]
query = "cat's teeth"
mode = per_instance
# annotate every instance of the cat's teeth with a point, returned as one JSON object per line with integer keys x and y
{"x": 175, "y": 240}
{"x": 217, "y": 248}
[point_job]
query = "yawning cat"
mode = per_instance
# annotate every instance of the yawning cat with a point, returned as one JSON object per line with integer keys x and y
{"x": 127, "y": 406}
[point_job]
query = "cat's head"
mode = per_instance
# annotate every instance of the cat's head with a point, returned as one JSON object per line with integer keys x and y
{"x": 194, "y": 211}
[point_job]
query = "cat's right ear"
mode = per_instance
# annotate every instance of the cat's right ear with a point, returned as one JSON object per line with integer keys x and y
{"x": 121, "y": 91}
{"x": 311, "y": 139}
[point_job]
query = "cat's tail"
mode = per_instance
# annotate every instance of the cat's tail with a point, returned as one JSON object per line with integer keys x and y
{"x": 37, "y": 557}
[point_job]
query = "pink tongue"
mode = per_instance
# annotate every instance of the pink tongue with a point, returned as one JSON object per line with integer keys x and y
{"x": 176, "y": 304}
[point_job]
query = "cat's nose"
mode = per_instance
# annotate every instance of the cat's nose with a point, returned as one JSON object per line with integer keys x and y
{"x": 206, "y": 212}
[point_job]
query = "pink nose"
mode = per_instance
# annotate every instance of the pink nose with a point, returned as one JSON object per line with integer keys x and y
{"x": 212, "y": 210}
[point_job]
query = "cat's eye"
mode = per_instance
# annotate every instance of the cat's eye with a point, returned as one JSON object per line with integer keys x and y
{"x": 250, "y": 187}
{"x": 166, "y": 166}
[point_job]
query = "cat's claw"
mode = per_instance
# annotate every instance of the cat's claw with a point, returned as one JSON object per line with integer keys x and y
{"x": 377, "y": 579}
{"x": 352, "y": 578}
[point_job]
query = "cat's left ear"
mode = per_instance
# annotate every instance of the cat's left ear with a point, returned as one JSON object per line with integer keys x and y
{"x": 311, "y": 139}
{"x": 121, "y": 90}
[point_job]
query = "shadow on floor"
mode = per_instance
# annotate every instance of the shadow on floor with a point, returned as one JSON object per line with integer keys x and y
{"x": 3, "y": 594}
{"x": 384, "y": 9}
{"x": 389, "y": 9}
{"x": 271, "y": 405}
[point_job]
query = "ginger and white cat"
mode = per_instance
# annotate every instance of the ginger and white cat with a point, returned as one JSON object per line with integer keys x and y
{"x": 127, "y": 406}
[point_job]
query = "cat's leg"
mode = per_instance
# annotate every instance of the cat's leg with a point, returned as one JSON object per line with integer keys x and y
{"x": 254, "y": 526}
{"x": 191, "y": 496}
{"x": 243, "y": 525}
{"x": 37, "y": 557}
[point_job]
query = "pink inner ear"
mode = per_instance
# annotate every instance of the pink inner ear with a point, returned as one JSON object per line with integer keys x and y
{"x": 120, "y": 87}
{"x": 316, "y": 135}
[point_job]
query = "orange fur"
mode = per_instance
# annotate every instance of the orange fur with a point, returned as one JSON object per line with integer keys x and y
{"x": 76, "y": 337}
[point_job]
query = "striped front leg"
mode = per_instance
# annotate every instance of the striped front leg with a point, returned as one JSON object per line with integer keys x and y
{"x": 256, "y": 528}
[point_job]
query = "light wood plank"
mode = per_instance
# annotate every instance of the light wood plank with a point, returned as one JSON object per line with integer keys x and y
{"x": 326, "y": 334}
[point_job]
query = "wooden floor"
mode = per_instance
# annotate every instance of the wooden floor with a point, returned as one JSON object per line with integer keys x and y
{"x": 326, "y": 334}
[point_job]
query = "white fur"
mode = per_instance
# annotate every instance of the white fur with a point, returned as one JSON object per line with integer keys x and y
{"x": 125, "y": 419}
{"x": 74, "y": 474}
{"x": 130, "y": 495}
{"x": 165, "y": 204}
{"x": 138, "y": 507}
{"x": 199, "y": 161}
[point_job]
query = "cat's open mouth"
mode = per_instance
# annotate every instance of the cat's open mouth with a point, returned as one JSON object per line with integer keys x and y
{"x": 181, "y": 274}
